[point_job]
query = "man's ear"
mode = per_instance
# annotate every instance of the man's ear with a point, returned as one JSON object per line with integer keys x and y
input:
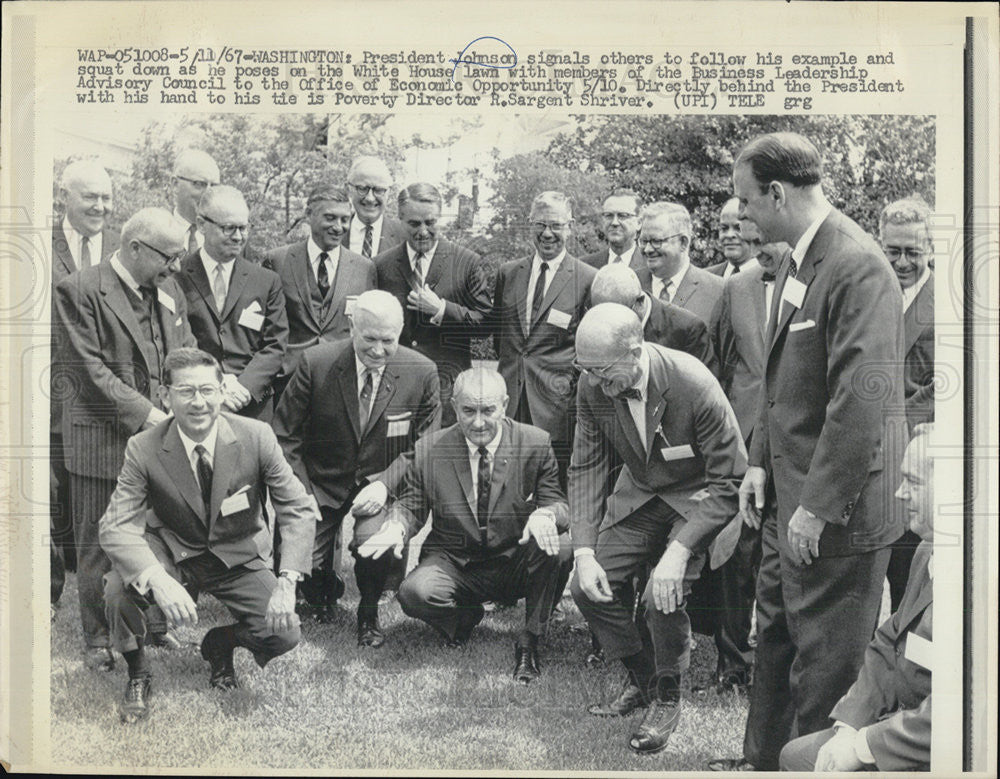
{"x": 777, "y": 192}
{"x": 164, "y": 396}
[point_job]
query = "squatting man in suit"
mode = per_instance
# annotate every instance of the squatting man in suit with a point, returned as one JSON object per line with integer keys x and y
{"x": 824, "y": 449}
{"x": 347, "y": 422}
{"x": 195, "y": 172}
{"x": 500, "y": 528}
{"x": 117, "y": 321}
{"x": 663, "y": 413}
{"x": 883, "y": 722}
{"x": 236, "y": 308}
{"x": 186, "y": 516}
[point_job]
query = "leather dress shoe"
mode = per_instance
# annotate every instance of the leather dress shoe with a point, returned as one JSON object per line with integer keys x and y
{"x": 369, "y": 633}
{"x": 660, "y": 721}
{"x": 135, "y": 703}
{"x": 731, "y": 764}
{"x": 526, "y": 664}
{"x": 98, "y": 658}
{"x": 468, "y": 618}
{"x": 629, "y": 699}
{"x": 219, "y": 654}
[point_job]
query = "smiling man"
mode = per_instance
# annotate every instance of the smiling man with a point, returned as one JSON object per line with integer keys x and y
{"x": 347, "y": 422}
{"x": 195, "y": 172}
{"x": 186, "y": 517}
{"x": 371, "y": 231}
{"x": 117, "y": 320}
{"x": 500, "y": 521}
{"x": 739, "y": 252}
{"x": 537, "y": 306}
{"x": 81, "y": 238}
{"x": 663, "y": 414}
{"x": 320, "y": 276}
{"x": 443, "y": 287}
{"x": 619, "y": 223}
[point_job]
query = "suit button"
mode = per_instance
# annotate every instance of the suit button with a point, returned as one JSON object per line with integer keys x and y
{"x": 184, "y": 554}
{"x": 770, "y": 404}
{"x": 413, "y": 344}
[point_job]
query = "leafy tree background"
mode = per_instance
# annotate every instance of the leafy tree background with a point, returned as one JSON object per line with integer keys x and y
{"x": 869, "y": 161}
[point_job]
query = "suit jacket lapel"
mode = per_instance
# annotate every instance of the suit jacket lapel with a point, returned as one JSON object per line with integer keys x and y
{"x": 559, "y": 280}
{"x": 656, "y": 406}
{"x": 442, "y": 256}
{"x": 348, "y": 382}
{"x": 504, "y": 454}
{"x": 454, "y": 441}
{"x": 918, "y": 315}
{"x": 386, "y": 389}
{"x": 806, "y": 273}
{"x": 339, "y": 286}
{"x": 62, "y": 253}
{"x": 522, "y": 275}
{"x": 237, "y": 281}
{"x": 687, "y": 287}
{"x": 175, "y": 462}
{"x": 626, "y": 423}
{"x": 195, "y": 270}
{"x": 227, "y": 455}
{"x": 114, "y": 297}
{"x": 298, "y": 261}
{"x": 760, "y": 311}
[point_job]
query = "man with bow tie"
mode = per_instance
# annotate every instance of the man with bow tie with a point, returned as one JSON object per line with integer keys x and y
{"x": 664, "y": 415}
{"x": 443, "y": 287}
{"x": 347, "y": 422}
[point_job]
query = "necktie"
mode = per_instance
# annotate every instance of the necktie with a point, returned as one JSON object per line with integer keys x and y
{"x": 204, "y": 478}
{"x": 536, "y": 299}
{"x": 219, "y": 288}
{"x": 793, "y": 268}
{"x": 736, "y": 269}
{"x": 632, "y": 393}
{"x": 365, "y": 401}
{"x": 366, "y": 247}
{"x": 618, "y": 258}
{"x": 418, "y": 269}
{"x": 665, "y": 292}
{"x": 192, "y": 239}
{"x": 85, "y": 252}
{"x": 323, "y": 275}
{"x": 767, "y": 277}
{"x": 483, "y": 492}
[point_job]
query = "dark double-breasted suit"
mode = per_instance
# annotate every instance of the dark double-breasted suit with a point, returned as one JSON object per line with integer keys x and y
{"x": 830, "y": 434}
{"x": 313, "y": 318}
{"x": 249, "y": 336}
{"x": 108, "y": 389}
{"x": 156, "y": 516}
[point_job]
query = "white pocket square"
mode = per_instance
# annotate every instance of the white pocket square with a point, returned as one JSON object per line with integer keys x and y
{"x": 796, "y": 326}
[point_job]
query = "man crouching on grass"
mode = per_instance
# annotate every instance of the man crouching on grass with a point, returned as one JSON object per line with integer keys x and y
{"x": 202, "y": 474}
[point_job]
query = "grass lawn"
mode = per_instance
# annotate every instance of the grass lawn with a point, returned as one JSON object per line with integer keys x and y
{"x": 411, "y": 705}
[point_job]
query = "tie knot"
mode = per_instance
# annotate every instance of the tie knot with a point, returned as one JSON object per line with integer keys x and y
{"x": 200, "y": 450}
{"x": 323, "y": 256}
{"x": 768, "y": 277}
{"x": 544, "y": 266}
{"x": 484, "y": 452}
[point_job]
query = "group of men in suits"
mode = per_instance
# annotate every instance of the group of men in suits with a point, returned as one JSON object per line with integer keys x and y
{"x": 630, "y": 388}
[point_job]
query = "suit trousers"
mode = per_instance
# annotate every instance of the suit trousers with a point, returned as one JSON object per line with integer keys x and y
{"x": 624, "y": 550}
{"x": 800, "y": 755}
{"x": 90, "y": 496}
{"x": 813, "y": 625}
{"x": 721, "y": 605}
{"x": 562, "y": 440}
{"x": 243, "y": 589}
{"x": 441, "y": 587}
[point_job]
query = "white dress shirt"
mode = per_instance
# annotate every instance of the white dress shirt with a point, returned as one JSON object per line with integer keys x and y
{"x": 210, "y": 264}
{"x": 199, "y": 236}
{"x": 208, "y": 442}
{"x": 332, "y": 259}
{"x": 674, "y": 281}
{"x": 731, "y": 269}
{"x": 625, "y": 257}
{"x": 536, "y": 268}
{"x": 358, "y": 234}
{"x": 75, "y": 243}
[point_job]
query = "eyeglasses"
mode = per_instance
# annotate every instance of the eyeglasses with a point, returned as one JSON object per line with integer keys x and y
{"x": 894, "y": 253}
{"x": 228, "y": 230}
{"x": 197, "y": 183}
{"x": 555, "y": 227}
{"x": 186, "y": 392}
{"x": 610, "y": 216}
{"x": 167, "y": 258}
{"x": 656, "y": 243}
{"x": 599, "y": 372}
{"x": 363, "y": 190}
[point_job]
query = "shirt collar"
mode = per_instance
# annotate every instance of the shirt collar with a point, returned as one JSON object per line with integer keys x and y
{"x": 625, "y": 255}
{"x": 210, "y": 264}
{"x": 360, "y": 369}
{"x": 428, "y": 255}
{"x": 208, "y": 442}
{"x": 642, "y": 383}
{"x": 358, "y": 229}
{"x": 647, "y": 309}
{"x": 75, "y": 239}
{"x": 747, "y": 265}
{"x": 124, "y": 275}
{"x": 678, "y": 277}
{"x": 491, "y": 447}
{"x": 553, "y": 264}
{"x": 802, "y": 246}
{"x": 315, "y": 251}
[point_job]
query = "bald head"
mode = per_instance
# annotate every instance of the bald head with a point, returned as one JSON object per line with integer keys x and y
{"x": 85, "y": 192}
{"x": 480, "y": 384}
{"x": 151, "y": 241}
{"x": 619, "y": 284}
{"x": 607, "y": 330}
{"x": 194, "y": 172}
{"x": 223, "y": 218}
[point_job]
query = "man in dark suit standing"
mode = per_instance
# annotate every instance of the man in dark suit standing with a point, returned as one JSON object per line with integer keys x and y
{"x": 822, "y": 449}
{"x": 371, "y": 232}
{"x": 663, "y": 413}
{"x": 119, "y": 320}
{"x": 662, "y": 323}
{"x": 236, "y": 308}
{"x": 320, "y": 277}
{"x": 739, "y": 250}
{"x": 664, "y": 240}
{"x": 620, "y": 223}
{"x": 347, "y": 422}
{"x": 905, "y": 233}
{"x": 187, "y": 516}
{"x": 80, "y": 239}
{"x": 724, "y": 594}
{"x": 883, "y": 722}
{"x": 443, "y": 287}
{"x": 195, "y": 172}
{"x": 500, "y": 529}
{"x": 537, "y": 305}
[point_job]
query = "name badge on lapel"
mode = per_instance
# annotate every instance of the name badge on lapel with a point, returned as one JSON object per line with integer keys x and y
{"x": 677, "y": 452}
{"x": 398, "y": 425}
{"x": 251, "y": 317}
{"x": 166, "y": 301}
{"x": 920, "y": 651}
{"x": 236, "y": 502}
{"x": 559, "y": 318}
{"x": 794, "y": 292}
